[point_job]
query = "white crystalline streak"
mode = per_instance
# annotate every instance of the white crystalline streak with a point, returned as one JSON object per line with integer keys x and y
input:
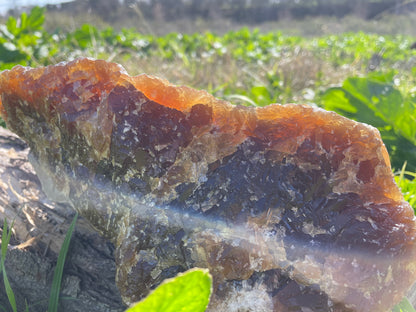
{"x": 248, "y": 299}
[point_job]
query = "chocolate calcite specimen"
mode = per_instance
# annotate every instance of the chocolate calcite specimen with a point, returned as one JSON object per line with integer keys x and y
{"x": 292, "y": 208}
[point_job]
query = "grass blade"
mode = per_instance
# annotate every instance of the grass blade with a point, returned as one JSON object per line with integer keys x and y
{"x": 402, "y": 171}
{"x": 9, "y": 291}
{"x": 5, "y": 242}
{"x": 242, "y": 98}
{"x": 7, "y": 234}
{"x": 57, "y": 276}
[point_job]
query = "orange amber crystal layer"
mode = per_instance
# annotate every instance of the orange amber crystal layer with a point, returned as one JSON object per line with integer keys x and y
{"x": 289, "y": 206}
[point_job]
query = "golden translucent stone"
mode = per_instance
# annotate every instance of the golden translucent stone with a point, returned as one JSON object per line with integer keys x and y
{"x": 289, "y": 204}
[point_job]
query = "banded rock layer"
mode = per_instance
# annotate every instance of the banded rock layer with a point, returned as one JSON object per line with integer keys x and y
{"x": 289, "y": 206}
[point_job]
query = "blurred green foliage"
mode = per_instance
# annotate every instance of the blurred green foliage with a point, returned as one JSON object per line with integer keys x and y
{"x": 24, "y": 41}
{"x": 24, "y": 38}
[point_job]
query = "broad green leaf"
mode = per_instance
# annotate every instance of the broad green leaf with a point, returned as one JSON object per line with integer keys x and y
{"x": 404, "y": 306}
{"x": 376, "y": 102}
{"x": 385, "y": 102}
{"x": 187, "y": 292}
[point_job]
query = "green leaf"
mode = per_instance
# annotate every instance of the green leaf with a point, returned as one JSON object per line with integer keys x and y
{"x": 261, "y": 95}
{"x": 36, "y": 18}
{"x": 12, "y": 26}
{"x": 404, "y": 306}
{"x": 57, "y": 276}
{"x": 23, "y": 22}
{"x": 374, "y": 101}
{"x": 85, "y": 36}
{"x": 187, "y": 292}
{"x": 10, "y": 53}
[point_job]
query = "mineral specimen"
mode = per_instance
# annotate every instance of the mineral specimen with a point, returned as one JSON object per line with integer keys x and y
{"x": 292, "y": 208}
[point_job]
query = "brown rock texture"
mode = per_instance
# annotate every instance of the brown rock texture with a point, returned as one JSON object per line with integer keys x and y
{"x": 38, "y": 232}
{"x": 290, "y": 207}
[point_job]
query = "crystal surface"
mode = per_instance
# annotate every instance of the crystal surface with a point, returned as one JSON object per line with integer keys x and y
{"x": 292, "y": 208}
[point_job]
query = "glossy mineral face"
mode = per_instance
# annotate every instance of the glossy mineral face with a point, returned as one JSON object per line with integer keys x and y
{"x": 289, "y": 206}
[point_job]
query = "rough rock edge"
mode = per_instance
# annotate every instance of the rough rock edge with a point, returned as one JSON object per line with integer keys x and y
{"x": 39, "y": 230}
